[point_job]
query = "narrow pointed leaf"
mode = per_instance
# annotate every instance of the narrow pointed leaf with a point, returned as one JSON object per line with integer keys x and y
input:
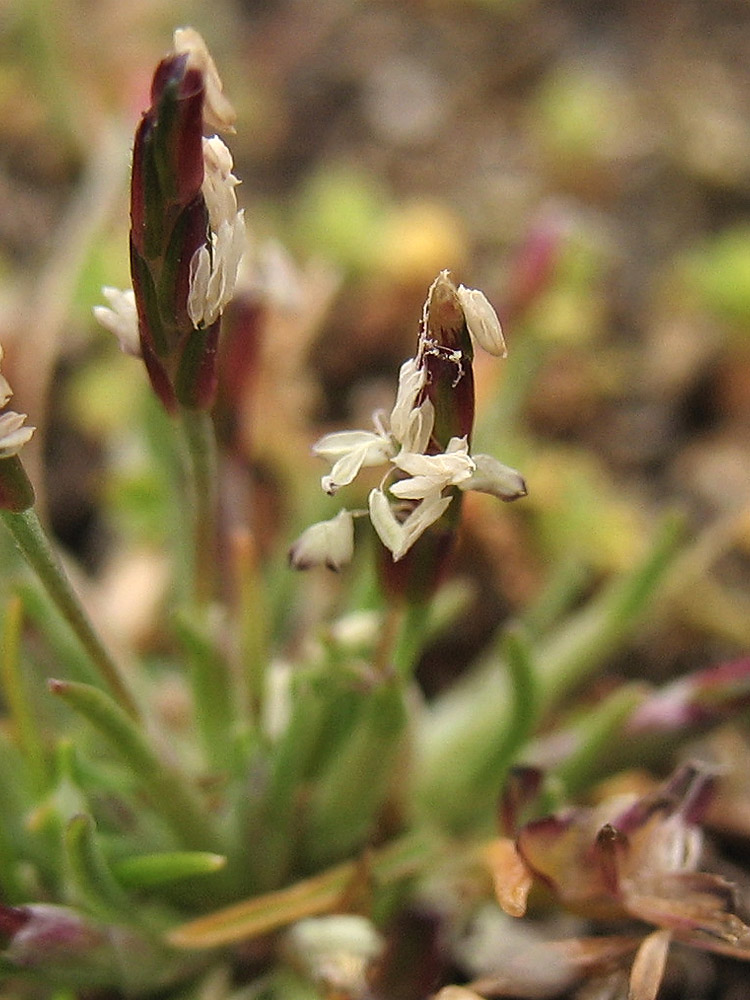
{"x": 170, "y": 794}
{"x": 145, "y": 871}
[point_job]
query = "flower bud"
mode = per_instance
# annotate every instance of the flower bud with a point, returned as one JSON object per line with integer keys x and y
{"x": 327, "y": 543}
{"x": 482, "y": 321}
{"x": 491, "y": 476}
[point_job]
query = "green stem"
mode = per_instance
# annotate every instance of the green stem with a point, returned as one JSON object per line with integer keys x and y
{"x": 202, "y": 479}
{"x": 570, "y": 655}
{"x": 33, "y": 542}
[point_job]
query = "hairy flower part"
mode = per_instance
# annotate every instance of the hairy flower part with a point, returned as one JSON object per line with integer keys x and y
{"x": 218, "y": 113}
{"x": 327, "y": 543}
{"x": 120, "y": 317}
{"x": 424, "y": 443}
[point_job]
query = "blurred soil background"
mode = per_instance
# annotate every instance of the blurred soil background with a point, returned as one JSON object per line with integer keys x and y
{"x": 586, "y": 164}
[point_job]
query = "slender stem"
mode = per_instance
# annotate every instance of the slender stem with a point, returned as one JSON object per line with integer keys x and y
{"x": 33, "y": 542}
{"x": 202, "y": 478}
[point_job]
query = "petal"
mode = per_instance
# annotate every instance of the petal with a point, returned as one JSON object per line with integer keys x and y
{"x": 389, "y": 530}
{"x": 400, "y": 536}
{"x": 334, "y": 446}
{"x": 344, "y": 471}
{"x": 5, "y": 390}
{"x": 411, "y": 380}
{"x": 218, "y": 183}
{"x": 491, "y": 476}
{"x": 430, "y": 510}
{"x": 415, "y": 488}
{"x": 349, "y": 451}
{"x": 13, "y": 435}
{"x": 200, "y": 275}
{"x": 482, "y": 321}
{"x": 347, "y": 468}
{"x": 419, "y": 426}
{"x": 445, "y": 469}
{"x": 121, "y": 318}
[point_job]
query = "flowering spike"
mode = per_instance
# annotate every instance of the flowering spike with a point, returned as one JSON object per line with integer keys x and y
{"x": 187, "y": 235}
{"x": 425, "y": 440}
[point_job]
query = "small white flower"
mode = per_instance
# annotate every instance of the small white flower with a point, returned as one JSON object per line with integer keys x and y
{"x": 120, "y": 318}
{"x": 327, "y": 543}
{"x": 491, "y": 476}
{"x": 213, "y": 269}
{"x": 218, "y": 113}
{"x": 408, "y": 427}
{"x": 350, "y": 451}
{"x": 482, "y": 321}
{"x": 218, "y": 182}
{"x": 213, "y": 273}
{"x": 433, "y": 473}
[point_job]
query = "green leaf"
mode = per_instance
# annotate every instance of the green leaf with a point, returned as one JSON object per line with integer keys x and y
{"x": 145, "y": 871}
{"x": 92, "y": 884}
{"x": 169, "y": 791}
